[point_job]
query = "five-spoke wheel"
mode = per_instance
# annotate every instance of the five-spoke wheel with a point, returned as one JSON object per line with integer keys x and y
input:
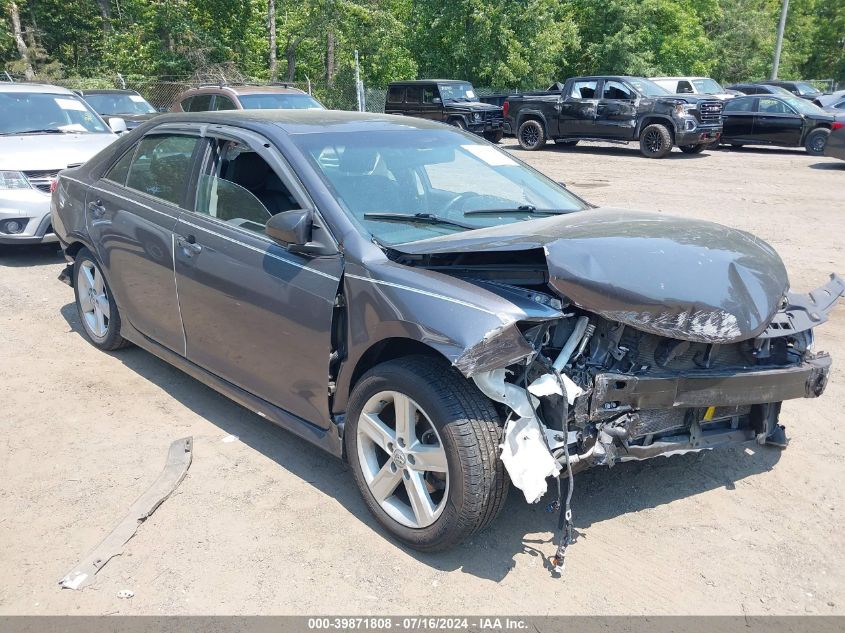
{"x": 96, "y": 307}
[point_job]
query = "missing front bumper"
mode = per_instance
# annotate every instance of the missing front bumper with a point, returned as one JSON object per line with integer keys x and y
{"x": 619, "y": 393}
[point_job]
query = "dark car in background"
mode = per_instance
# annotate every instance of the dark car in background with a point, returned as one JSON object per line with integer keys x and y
{"x": 410, "y": 297}
{"x": 618, "y": 109}
{"x": 758, "y": 89}
{"x": 243, "y": 97}
{"x": 129, "y": 105}
{"x": 803, "y": 89}
{"x": 780, "y": 120}
{"x": 832, "y": 102}
{"x": 835, "y": 147}
{"x": 446, "y": 100}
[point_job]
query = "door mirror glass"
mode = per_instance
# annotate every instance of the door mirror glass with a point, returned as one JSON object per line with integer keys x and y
{"x": 117, "y": 125}
{"x": 290, "y": 228}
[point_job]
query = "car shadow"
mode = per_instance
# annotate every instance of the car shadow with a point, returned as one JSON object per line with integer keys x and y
{"x": 834, "y": 165}
{"x": 603, "y": 150}
{"x": 20, "y": 256}
{"x": 600, "y": 494}
{"x": 758, "y": 149}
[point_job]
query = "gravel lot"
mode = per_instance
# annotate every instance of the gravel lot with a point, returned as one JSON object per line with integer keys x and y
{"x": 268, "y": 524}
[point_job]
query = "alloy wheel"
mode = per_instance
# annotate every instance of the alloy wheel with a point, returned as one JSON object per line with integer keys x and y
{"x": 653, "y": 141}
{"x": 530, "y": 135}
{"x": 402, "y": 459}
{"x": 93, "y": 300}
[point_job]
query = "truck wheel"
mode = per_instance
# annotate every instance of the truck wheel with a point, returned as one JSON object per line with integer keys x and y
{"x": 816, "y": 140}
{"x": 565, "y": 143}
{"x": 531, "y": 135}
{"x": 693, "y": 149}
{"x": 422, "y": 442}
{"x": 494, "y": 137}
{"x": 655, "y": 141}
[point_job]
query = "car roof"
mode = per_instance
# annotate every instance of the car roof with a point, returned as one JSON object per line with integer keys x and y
{"x": 107, "y": 91}
{"x": 25, "y": 87}
{"x": 679, "y": 77}
{"x": 244, "y": 89}
{"x": 305, "y": 121}
{"x": 415, "y": 82}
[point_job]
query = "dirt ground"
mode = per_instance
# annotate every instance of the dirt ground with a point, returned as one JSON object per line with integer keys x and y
{"x": 269, "y": 524}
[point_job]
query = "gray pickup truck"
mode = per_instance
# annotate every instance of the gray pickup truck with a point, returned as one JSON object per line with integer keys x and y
{"x": 617, "y": 109}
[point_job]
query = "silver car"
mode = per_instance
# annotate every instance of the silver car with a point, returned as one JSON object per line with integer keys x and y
{"x": 43, "y": 129}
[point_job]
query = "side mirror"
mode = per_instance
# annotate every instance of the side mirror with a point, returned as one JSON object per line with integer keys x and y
{"x": 117, "y": 125}
{"x": 290, "y": 228}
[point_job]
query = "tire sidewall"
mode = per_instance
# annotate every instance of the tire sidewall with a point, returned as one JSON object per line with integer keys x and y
{"x": 541, "y": 135}
{"x": 666, "y": 138}
{"x": 112, "y": 337}
{"x": 389, "y": 377}
{"x": 809, "y": 143}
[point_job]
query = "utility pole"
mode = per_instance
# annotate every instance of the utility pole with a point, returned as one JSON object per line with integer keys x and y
{"x": 779, "y": 43}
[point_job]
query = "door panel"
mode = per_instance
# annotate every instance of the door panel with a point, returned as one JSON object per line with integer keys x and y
{"x": 616, "y": 112}
{"x": 132, "y": 225}
{"x": 257, "y": 315}
{"x": 776, "y": 123}
{"x": 738, "y": 118}
{"x": 254, "y": 313}
{"x": 578, "y": 109}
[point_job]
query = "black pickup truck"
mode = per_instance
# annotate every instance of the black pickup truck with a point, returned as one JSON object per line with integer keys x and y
{"x": 616, "y": 109}
{"x": 448, "y": 100}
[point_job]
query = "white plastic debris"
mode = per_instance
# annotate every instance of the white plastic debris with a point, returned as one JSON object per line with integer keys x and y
{"x": 230, "y": 438}
{"x": 547, "y": 385}
{"x": 125, "y": 593}
{"x": 527, "y": 458}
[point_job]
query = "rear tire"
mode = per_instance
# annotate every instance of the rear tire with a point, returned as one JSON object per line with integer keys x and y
{"x": 693, "y": 149}
{"x": 531, "y": 135}
{"x": 655, "y": 141}
{"x": 494, "y": 137}
{"x": 453, "y": 424}
{"x": 95, "y": 304}
{"x": 816, "y": 140}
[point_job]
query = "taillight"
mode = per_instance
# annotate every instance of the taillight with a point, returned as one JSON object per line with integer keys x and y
{"x": 505, "y": 107}
{"x": 837, "y": 125}
{"x": 54, "y": 184}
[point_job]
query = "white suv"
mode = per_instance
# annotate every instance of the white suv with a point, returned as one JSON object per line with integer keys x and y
{"x": 43, "y": 129}
{"x": 693, "y": 86}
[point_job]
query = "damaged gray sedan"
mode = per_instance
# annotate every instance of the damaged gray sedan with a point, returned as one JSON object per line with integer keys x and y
{"x": 410, "y": 298}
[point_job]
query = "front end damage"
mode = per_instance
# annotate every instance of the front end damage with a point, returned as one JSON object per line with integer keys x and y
{"x": 604, "y": 392}
{"x": 669, "y": 336}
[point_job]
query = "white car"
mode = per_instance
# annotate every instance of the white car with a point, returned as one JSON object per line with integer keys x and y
{"x": 693, "y": 86}
{"x": 43, "y": 129}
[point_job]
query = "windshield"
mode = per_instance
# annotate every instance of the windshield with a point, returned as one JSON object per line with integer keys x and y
{"x": 432, "y": 180}
{"x": 280, "y": 101}
{"x": 44, "y": 113}
{"x": 803, "y": 106}
{"x": 457, "y": 92}
{"x": 647, "y": 87}
{"x": 119, "y": 103}
{"x": 707, "y": 86}
{"x": 807, "y": 89}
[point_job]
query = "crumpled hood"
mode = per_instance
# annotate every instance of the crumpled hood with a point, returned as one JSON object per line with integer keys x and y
{"x": 43, "y": 152}
{"x": 680, "y": 278}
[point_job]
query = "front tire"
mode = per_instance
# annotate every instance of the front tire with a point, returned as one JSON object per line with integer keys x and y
{"x": 655, "y": 141}
{"x": 531, "y": 135}
{"x": 422, "y": 443}
{"x": 816, "y": 140}
{"x": 692, "y": 149}
{"x": 95, "y": 304}
{"x": 494, "y": 137}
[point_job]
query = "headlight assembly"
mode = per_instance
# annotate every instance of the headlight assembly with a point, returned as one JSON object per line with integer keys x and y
{"x": 685, "y": 109}
{"x": 13, "y": 180}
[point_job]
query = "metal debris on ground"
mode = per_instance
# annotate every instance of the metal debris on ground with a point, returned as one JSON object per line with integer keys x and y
{"x": 178, "y": 461}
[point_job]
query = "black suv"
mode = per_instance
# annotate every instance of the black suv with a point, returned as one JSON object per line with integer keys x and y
{"x": 803, "y": 89}
{"x": 447, "y": 100}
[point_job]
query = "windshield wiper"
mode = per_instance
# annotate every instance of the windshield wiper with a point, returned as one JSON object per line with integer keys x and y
{"x": 417, "y": 218}
{"x": 525, "y": 208}
{"x": 51, "y": 130}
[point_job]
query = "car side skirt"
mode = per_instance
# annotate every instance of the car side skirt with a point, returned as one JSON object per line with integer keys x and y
{"x": 329, "y": 440}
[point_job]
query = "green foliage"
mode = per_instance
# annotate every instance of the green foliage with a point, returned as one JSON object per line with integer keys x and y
{"x": 494, "y": 43}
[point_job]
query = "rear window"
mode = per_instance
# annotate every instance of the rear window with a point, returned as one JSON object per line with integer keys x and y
{"x": 395, "y": 94}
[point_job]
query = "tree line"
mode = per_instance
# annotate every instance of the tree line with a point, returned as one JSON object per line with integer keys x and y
{"x": 493, "y": 43}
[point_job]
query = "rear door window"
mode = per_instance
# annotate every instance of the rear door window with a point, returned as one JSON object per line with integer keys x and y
{"x": 200, "y": 103}
{"x": 224, "y": 103}
{"x": 162, "y": 166}
{"x": 120, "y": 170}
{"x": 584, "y": 89}
{"x": 738, "y": 104}
{"x": 413, "y": 94}
{"x": 396, "y": 94}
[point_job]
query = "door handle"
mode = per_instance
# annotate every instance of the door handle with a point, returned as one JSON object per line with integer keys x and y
{"x": 97, "y": 209}
{"x": 189, "y": 245}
